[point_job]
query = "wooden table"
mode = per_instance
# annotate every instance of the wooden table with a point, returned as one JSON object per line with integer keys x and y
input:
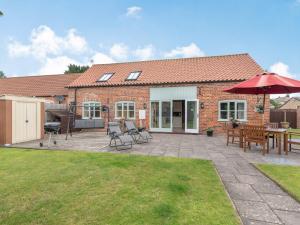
{"x": 279, "y": 134}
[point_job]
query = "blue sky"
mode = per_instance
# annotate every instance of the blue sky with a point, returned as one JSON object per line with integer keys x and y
{"x": 42, "y": 37}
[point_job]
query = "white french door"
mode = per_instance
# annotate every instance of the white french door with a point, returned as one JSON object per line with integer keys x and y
{"x": 192, "y": 116}
{"x": 161, "y": 116}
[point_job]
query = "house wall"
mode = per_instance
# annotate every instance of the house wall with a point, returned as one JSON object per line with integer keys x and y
{"x": 54, "y": 99}
{"x": 208, "y": 93}
{"x": 292, "y": 103}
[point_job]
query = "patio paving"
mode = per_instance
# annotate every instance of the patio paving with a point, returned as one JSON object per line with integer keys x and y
{"x": 257, "y": 199}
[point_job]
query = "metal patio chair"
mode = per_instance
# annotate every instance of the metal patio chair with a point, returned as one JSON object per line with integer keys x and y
{"x": 118, "y": 139}
{"x": 139, "y": 135}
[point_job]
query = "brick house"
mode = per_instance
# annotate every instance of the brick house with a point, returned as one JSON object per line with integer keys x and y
{"x": 50, "y": 87}
{"x": 174, "y": 95}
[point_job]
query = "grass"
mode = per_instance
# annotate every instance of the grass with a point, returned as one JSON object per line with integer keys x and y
{"x": 56, "y": 187}
{"x": 295, "y": 136}
{"x": 288, "y": 177}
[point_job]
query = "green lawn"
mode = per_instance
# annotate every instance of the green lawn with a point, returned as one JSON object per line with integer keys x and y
{"x": 287, "y": 176}
{"x": 295, "y": 136}
{"x": 56, "y": 187}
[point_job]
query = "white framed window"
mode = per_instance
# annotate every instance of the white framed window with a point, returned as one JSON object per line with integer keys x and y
{"x": 91, "y": 110}
{"x": 134, "y": 75}
{"x": 105, "y": 77}
{"x": 232, "y": 109}
{"x": 125, "y": 109}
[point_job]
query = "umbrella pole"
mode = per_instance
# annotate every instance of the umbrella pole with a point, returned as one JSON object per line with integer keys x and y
{"x": 263, "y": 114}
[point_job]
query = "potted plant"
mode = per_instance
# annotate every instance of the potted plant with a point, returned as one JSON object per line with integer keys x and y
{"x": 285, "y": 124}
{"x": 235, "y": 123}
{"x": 210, "y": 132}
{"x": 259, "y": 108}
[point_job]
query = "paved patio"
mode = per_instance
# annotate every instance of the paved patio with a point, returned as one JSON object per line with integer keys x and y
{"x": 257, "y": 199}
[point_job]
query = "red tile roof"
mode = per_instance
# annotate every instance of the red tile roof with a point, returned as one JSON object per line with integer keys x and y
{"x": 39, "y": 86}
{"x": 185, "y": 70}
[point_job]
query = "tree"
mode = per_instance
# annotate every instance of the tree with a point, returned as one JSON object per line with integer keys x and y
{"x": 72, "y": 68}
{"x": 1, "y": 13}
{"x": 2, "y": 75}
{"x": 274, "y": 103}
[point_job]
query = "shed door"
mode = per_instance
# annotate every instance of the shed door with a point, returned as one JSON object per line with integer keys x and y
{"x": 26, "y": 121}
{"x": 19, "y": 126}
{"x": 31, "y": 121}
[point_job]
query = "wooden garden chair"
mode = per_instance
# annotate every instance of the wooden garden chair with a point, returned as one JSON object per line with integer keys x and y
{"x": 273, "y": 136}
{"x": 233, "y": 134}
{"x": 293, "y": 141}
{"x": 256, "y": 134}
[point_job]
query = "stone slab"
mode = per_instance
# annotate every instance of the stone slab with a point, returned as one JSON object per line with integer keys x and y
{"x": 238, "y": 191}
{"x": 281, "y": 202}
{"x": 289, "y": 218}
{"x": 257, "y": 211}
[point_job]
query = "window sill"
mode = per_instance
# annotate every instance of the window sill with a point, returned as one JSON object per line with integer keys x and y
{"x": 221, "y": 120}
{"x": 119, "y": 118}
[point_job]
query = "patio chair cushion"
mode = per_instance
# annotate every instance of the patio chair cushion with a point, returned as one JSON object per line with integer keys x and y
{"x": 114, "y": 130}
{"x": 125, "y": 138}
{"x": 145, "y": 135}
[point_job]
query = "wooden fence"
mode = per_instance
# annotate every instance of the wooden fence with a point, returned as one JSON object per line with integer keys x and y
{"x": 277, "y": 116}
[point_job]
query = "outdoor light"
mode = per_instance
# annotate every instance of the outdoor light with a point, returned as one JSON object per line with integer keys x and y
{"x": 145, "y": 105}
{"x": 202, "y": 105}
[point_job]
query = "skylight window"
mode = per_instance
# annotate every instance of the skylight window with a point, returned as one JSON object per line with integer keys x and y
{"x": 105, "y": 77}
{"x": 134, "y": 75}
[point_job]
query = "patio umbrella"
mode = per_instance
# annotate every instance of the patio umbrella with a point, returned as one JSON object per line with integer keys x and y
{"x": 266, "y": 83}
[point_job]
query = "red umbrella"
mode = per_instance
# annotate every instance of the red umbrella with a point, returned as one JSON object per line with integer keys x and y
{"x": 266, "y": 83}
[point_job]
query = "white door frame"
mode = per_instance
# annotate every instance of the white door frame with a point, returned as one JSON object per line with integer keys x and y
{"x": 197, "y": 122}
{"x": 160, "y": 129}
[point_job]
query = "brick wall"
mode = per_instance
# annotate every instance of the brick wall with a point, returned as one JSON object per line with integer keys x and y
{"x": 211, "y": 93}
{"x": 208, "y": 93}
{"x": 54, "y": 99}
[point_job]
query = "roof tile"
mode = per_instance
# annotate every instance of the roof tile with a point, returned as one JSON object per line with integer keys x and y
{"x": 39, "y": 86}
{"x": 185, "y": 70}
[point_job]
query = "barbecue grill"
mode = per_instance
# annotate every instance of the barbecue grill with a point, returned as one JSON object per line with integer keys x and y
{"x": 51, "y": 129}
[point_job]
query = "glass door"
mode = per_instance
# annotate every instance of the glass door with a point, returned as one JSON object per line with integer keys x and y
{"x": 166, "y": 116}
{"x": 154, "y": 114}
{"x": 161, "y": 116}
{"x": 192, "y": 116}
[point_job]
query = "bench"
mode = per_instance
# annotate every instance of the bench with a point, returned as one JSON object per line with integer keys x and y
{"x": 293, "y": 141}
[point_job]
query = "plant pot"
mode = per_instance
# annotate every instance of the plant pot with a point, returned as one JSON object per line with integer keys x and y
{"x": 285, "y": 125}
{"x": 209, "y": 133}
{"x": 235, "y": 125}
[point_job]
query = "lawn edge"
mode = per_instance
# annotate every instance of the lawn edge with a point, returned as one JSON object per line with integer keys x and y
{"x": 48, "y": 149}
{"x": 276, "y": 182}
{"x": 225, "y": 190}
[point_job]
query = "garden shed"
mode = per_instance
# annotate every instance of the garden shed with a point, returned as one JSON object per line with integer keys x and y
{"x": 21, "y": 119}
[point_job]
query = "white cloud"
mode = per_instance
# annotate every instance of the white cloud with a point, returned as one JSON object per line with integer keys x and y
{"x": 75, "y": 42}
{"x": 56, "y": 65}
{"x": 101, "y": 58}
{"x": 53, "y": 53}
{"x": 119, "y": 51}
{"x": 16, "y": 49}
{"x": 191, "y": 50}
{"x": 44, "y": 42}
{"x": 144, "y": 53}
{"x": 133, "y": 11}
{"x": 281, "y": 69}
